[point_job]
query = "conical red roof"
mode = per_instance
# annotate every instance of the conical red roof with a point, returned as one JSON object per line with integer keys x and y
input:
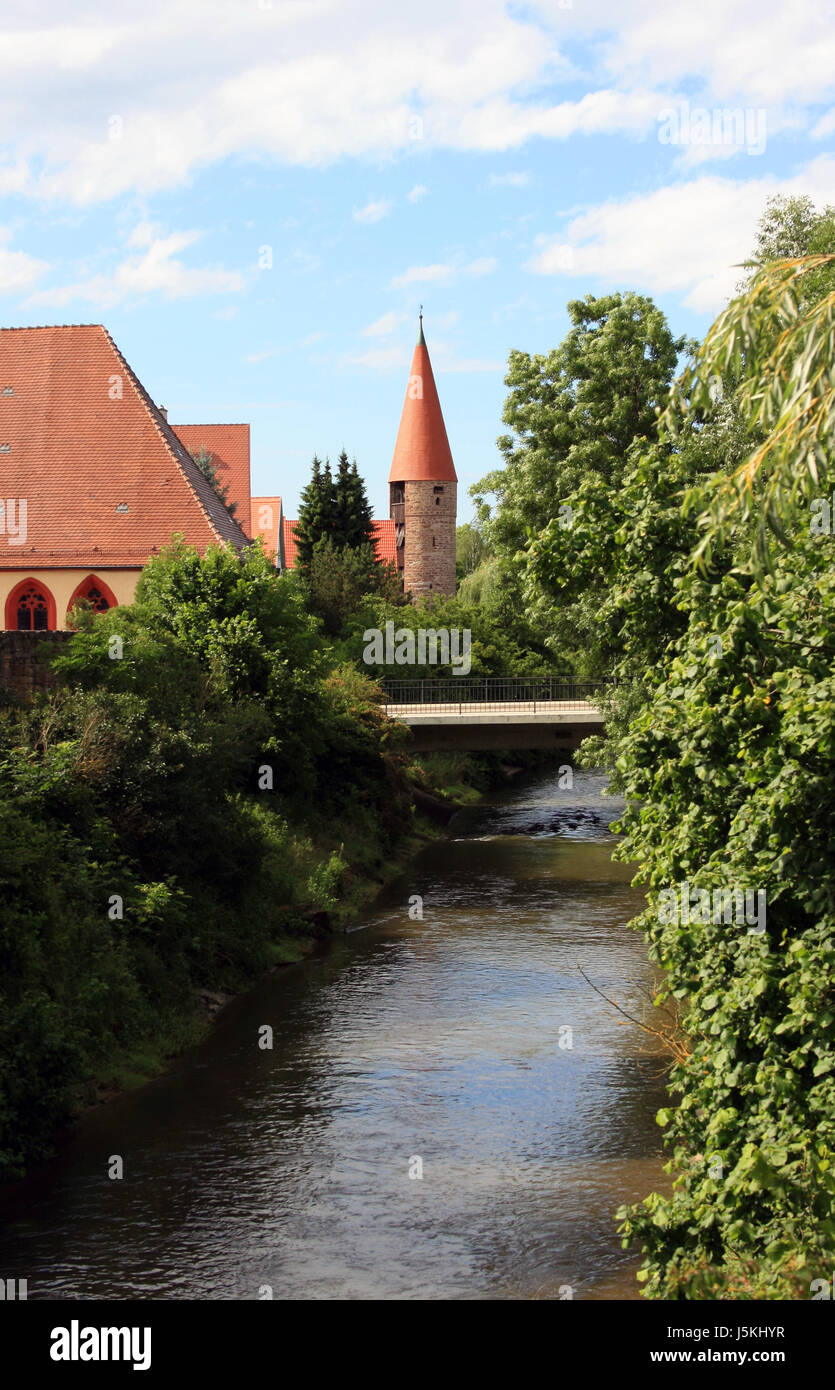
{"x": 422, "y": 450}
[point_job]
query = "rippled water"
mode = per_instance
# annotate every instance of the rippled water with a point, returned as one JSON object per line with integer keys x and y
{"x": 435, "y": 1039}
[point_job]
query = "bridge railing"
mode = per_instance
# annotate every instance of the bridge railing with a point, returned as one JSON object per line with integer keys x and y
{"x": 491, "y": 693}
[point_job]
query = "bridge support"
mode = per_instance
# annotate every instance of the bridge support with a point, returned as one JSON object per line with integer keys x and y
{"x": 484, "y": 738}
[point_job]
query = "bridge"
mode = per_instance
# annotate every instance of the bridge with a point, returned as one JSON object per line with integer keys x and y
{"x": 495, "y": 712}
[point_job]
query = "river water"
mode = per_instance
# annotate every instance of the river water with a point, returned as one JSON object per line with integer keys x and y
{"x": 407, "y": 1045}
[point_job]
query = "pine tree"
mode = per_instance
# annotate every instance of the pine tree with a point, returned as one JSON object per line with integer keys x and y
{"x": 342, "y": 503}
{"x": 359, "y": 530}
{"x": 316, "y": 512}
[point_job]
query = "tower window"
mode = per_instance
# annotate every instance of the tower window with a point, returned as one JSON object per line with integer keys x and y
{"x": 437, "y": 501}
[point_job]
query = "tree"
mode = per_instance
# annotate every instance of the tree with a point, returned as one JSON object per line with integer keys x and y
{"x": 317, "y": 512}
{"x": 470, "y": 549}
{"x": 576, "y": 412}
{"x": 352, "y": 509}
{"x": 205, "y": 462}
{"x": 778, "y": 339}
{"x": 338, "y": 578}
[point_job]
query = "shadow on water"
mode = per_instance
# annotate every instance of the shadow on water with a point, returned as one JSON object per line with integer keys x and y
{"x": 468, "y": 1041}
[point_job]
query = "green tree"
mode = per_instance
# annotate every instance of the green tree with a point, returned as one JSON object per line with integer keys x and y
{"x": 317, "y": 512}
{"x": 353, "y": 515}
{"x": 339, "y": 577}
{"x": 576, "y": 412}
{"x": 471, "y": 549}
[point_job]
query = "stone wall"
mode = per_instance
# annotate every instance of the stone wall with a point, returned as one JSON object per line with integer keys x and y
{"x": 430, "y": 513}
{"x": 24, "y": 661}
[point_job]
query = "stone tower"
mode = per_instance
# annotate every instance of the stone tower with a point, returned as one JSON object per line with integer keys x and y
{"x": 423, "y": 486}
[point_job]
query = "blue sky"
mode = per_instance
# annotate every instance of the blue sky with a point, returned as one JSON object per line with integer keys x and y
{"x": 254, "y": 196}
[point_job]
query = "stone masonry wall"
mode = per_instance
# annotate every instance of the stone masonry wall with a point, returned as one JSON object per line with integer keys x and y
{"x": 430, "y": 516}
{"x": 24, "y": 669}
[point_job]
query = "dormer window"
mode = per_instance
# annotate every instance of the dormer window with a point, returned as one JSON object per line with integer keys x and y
{"x": 8, "y": 391}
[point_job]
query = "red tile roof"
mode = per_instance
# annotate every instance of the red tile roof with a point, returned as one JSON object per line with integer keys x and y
{"x": 383, "y": 535}
{"x": 384, "y": 539}
{"x": 288, "y": 529}
{"x": 105, "y": 478}
{"x": 422, "y": 449}
{"x": 229, "y": 448}
{"x": 265, "y": 520}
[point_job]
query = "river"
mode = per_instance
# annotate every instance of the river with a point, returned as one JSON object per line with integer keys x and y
{"x": 466, "y": 1046}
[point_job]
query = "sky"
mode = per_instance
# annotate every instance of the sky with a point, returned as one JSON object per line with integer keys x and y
{"x": 255, "y": 196}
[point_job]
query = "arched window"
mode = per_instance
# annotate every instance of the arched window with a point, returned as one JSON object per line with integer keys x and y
{"x": 30, "y": 607}
{"x": 96, "y": 593}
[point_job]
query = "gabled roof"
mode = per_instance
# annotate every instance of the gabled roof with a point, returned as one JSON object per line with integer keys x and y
{"x": 265, "y": 521}
{"x": 422, "y": 451}
{"x": 383, "y": 535}
{"x": 229, "y": 448}
{"x": 106, "y": 480}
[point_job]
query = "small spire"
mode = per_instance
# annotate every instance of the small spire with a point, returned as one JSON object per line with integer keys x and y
{"x": 421, "y": 339}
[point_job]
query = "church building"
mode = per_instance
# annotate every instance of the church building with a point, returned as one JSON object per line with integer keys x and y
{"x": 94, "y": 481}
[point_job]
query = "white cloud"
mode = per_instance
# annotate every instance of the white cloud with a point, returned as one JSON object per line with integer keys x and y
{"x": 442, "y": 274}
{"x": 416, "y": 194}
{"x": 689, "y": 238}
{"x": 384, "y": 326}
{"x": 104, "y": 106}
{"x": 484, "y": 266}
{"x": 379, "y": 359}
{"x": 156, "y": 271}
{"x": 437, "y": 274}
{"x": 825, "y": 126}
{"x": 373, "y": 211}
{"x": 513, "y": 180}
{"x": 253, "y": 357}
{"x": 18, "y": 271}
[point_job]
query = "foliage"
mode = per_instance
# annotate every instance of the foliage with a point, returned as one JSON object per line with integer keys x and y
{"x": 338, "y": 579}
{"x": 576, "y": 412}
{"x": 333, "y": 509}
{"x": 471, "y": 549}
{"x": 497, "y": 648}
{"x": 720, "y": 727}
{"x": 143, "y": 781}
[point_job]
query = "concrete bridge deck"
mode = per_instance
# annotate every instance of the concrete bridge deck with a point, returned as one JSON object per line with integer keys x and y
{"x": 480, "y": 725}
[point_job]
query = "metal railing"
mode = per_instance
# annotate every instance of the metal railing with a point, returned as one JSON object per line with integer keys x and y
{"x": 491, "y": 693}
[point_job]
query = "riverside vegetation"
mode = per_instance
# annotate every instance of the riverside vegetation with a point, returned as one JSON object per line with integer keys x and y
{"x": 673, "y": 536}
{"x": 212, "y": 787}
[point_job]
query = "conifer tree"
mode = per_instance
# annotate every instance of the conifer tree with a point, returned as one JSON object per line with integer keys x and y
{"x": 360, "y": 530}
{"x": 316, "y": 512}
{"x": 342, "y": 503}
